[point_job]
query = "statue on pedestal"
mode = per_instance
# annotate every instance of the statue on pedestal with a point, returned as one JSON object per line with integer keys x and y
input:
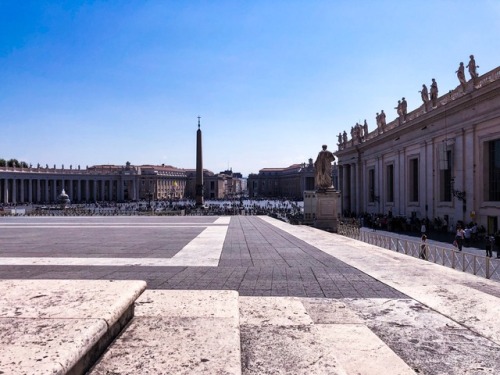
{"x": 434, "y": 93}
{"x": 424, "y": 94}
{"x": 339, "y": 138}
{"x": 461, "y": 76}
{"x": 404, "y": 108}
{"x": 323, "y": 169}
{"x": 382, "y": 120}
{"x": 472, "y": 69}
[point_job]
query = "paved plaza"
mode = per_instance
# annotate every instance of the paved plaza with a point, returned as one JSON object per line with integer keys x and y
{"x": 230, "y": 295}
{"x": 242, "y": 253}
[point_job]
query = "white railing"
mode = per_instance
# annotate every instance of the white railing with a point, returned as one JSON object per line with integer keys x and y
{"x": 478, "y": 265}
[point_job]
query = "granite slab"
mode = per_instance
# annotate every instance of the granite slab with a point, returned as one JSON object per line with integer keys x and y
{"x": 56, "y": 326}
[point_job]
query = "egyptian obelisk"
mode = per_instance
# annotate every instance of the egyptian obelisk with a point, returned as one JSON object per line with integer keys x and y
{"x": 199, "y": 168}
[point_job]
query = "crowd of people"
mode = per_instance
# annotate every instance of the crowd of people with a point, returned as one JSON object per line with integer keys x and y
{"x": 283, "y": 209}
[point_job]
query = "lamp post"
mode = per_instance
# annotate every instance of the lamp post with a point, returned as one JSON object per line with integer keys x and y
{"x": 460, "y": 195}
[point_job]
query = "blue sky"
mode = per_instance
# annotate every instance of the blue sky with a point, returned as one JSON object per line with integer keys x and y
{"x": 105, "y": 82}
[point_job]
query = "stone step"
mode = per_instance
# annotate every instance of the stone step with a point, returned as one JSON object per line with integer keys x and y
{"x": 178, "y": 332}
{"x": 195, "y": 332}
{"x": 61, "y": 326}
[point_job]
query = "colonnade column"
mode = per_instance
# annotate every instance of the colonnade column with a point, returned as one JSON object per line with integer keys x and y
{"x": 345, "y": 188}
{"x": 46, "y": 197}
{"x": 87, "y": 190}
{"x": 30, "y": 191}
{"x": 110, "y": 198}
{"x": 103, "y": 185}
{"x": 94, "y": 190}
{"x": 380, "y": 182}
{"x": 14, "y": 191}
{"x": 352, "y": 190}
{"x": 21, "y": 189}
{"x": 38, "y": 191}
{"x": 6, "y": 191}
{"x": 79, "y": 190}
{"x": 54, "y": 190}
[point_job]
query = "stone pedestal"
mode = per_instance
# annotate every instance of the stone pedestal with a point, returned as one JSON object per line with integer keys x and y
{"x": 327, "y": 209}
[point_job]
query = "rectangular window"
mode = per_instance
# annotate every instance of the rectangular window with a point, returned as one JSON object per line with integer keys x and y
{"x": 413, "y": 180}
{"x": 494, "y": 170}
{"x": 309, "y": 183}
{"x": 445, "y": 178}
{"x": 390, "y": 183}
{"x": 371, "y": 185}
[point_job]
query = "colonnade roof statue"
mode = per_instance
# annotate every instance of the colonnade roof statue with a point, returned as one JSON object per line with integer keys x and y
{"x": 430, "y": 99}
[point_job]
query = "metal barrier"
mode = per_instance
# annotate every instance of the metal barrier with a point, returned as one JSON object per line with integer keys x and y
{"x": 478, "y": 265}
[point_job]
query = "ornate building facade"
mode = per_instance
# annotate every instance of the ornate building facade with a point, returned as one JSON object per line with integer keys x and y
{"x": 441, "y": 160}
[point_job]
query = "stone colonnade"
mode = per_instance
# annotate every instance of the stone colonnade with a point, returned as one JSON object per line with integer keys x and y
{"x": 22, "y": 187}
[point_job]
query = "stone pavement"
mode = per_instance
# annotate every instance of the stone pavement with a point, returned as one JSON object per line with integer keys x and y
{"x": 303, "y": 300}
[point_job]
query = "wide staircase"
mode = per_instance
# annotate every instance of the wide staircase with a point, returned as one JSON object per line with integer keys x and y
{"x": 119, "y": 327}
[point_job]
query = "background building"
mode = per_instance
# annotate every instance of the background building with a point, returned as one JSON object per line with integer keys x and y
{"x": 287, "y": 182}
{"x": 97, "y": 183}
{"x": 113, "y": 183}
{"x": 439, "y": 162}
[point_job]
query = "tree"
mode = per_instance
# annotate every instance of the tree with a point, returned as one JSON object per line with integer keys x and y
{"x": 12, "y": 163}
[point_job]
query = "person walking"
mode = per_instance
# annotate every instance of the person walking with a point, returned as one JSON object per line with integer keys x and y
{"x": 490, "y": 243}
{"x": 423, "y": 247}
{"x": 496, "y": 243}
{"x": 459, "y": 237}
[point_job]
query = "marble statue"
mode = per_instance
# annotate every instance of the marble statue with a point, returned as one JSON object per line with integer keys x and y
{"x": 472, "y": 68}
{"x": 382, "y": 120}
{"x": 461, "y": 76}
{"x": 404, "y": 108}
{"x": 424, "y": 94}
{"x": 434, "y": 93}
{"x": 365, "y": 129}
{"x": 323, "y": 169}
{"x": 398, "y": 109}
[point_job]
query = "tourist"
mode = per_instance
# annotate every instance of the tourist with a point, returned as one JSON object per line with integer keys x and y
{"x": 459, "y": 237}
{"x": 490, "y": 244}
{"x": 497, "y": 243}
{"x": 423, "y": 247}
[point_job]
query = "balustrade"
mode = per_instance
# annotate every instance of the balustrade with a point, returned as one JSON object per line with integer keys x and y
{"x": 478, "y": 265}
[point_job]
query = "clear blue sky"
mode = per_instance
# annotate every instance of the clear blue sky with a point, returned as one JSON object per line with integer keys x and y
{"x": 105, "y": 82}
